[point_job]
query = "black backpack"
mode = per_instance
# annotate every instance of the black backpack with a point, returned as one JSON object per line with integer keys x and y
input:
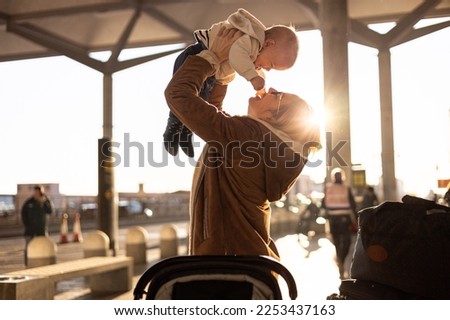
{"x": 405, "y": 245}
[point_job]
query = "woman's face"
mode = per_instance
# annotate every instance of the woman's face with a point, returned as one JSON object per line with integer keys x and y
{"x": 265, "y": 107}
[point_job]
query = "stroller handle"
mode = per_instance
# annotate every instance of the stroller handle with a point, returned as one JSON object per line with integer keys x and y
{"x": 265, "y": 264}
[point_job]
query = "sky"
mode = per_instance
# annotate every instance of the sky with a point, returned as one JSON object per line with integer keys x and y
{"x": 51, "y": 117}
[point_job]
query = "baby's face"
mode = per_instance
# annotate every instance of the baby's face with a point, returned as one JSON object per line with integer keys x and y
{"x": 273, "y": 57}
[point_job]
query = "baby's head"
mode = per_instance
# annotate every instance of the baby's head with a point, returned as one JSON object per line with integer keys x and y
{"x": 280, "y": 49}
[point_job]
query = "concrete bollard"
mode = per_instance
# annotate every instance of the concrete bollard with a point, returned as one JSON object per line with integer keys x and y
{"x": 136, "y": 244}
{"x": 96, "y": 244}
{"x": 41, "y": 251}
{"x": 168, "y": 241}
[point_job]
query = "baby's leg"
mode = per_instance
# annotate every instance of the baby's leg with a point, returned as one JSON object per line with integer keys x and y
{"x": 176, "y": 134}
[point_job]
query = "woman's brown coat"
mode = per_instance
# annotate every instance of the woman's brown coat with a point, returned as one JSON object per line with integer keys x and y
{"x": 244, "y": 166}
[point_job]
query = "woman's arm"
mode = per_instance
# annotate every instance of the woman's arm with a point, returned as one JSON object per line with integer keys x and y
{"x": 217, "y": 95}
{"x": 182, "y": 93}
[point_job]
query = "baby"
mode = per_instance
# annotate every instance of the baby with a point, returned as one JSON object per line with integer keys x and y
{"x": 259, "y": 48}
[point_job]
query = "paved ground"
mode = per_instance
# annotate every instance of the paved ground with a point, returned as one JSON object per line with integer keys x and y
{"x": 311, "y": 263}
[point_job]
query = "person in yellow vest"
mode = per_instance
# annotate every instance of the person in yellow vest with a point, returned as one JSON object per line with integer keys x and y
{"x": 340, "y": 206}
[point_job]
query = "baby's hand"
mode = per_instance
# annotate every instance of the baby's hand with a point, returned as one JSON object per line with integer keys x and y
{"x": 258, "y": 83}
{"x": 261, "y": 92}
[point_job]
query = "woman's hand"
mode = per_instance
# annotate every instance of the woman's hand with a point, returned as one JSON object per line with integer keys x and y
{"x": 222, "y": 44}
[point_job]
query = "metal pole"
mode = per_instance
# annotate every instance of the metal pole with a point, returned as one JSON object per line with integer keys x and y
{"x": 107, "y": 213}
{"x": 334, "y": 28}
{"x": 387, "y": 127}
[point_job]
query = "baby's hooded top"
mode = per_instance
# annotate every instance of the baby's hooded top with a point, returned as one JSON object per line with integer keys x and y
{"x": 244, "y": 50}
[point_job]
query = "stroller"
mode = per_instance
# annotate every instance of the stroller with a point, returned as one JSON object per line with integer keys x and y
{"x": 214, "y": 278}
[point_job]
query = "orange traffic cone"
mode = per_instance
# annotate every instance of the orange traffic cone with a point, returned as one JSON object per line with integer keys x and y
{"x": 64, "y": 229}
{"x": 77, "y": 236}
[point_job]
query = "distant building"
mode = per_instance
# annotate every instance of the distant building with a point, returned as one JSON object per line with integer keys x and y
{"x": 136, "y": 205}
{"x": 7, "y": 207}
{"x": 158, "y": 206}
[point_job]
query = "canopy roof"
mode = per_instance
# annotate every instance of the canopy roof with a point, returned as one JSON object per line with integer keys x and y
{"x": 76, "y": 28}
{"x": 38, "y": 28}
